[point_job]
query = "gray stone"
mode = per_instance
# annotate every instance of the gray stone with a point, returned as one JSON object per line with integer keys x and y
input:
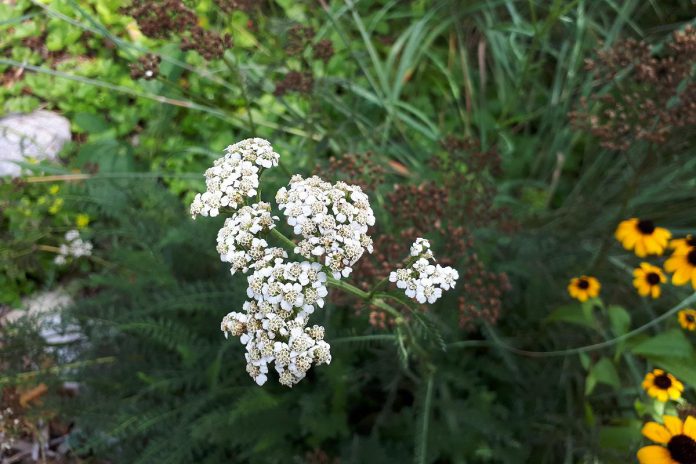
{"x": 39, "y": 135}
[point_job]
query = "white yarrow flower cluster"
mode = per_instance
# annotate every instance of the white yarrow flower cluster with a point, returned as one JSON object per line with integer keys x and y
{"x": 294, "y": 286}
{"x": 332, "y": 220}
{"x": 274, "y": 335}
{"x": 238, "y": 242}
{"x": 273, "y": 327}
{"x": 73, "y": 247}
{"x": 234, "y": 177}
{"x": 422, "y": 280}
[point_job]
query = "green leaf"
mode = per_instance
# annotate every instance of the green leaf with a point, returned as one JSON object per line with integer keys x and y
{"x": 602, "y": 372}
{"x": 622, "y": 437}
{"x": 619, "y": 319}
{"x": 91, "y": 123}
{"x": 573, "y": 314}
{"x": 670, "y": 344}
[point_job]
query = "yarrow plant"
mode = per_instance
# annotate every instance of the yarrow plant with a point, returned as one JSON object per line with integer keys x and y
{"x": 73, "y": 247}
{"x": 332, "y": 222}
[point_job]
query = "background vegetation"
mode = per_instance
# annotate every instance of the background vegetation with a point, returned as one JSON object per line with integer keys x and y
{"x": 479, "y": 124}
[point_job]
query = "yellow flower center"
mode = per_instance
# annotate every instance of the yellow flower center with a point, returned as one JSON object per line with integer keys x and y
{"x": 682, "y": 448}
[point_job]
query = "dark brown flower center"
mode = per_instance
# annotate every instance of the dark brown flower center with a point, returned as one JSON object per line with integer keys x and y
{"x": 689, "y": 318}
{"x": 691, "y": 241}
{"x": 653, "y": 278}
{"x": 662, "y": 381}
{"x": 682, "y": 448}
{"x": 691, "y": 257}
{"x": 646, "y": 227}
{"x": 583, "y": 284}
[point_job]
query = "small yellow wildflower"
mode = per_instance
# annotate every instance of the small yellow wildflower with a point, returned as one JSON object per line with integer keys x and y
{"x": 687, "y": 319}
{"x": 648, "y": 279}
{"x": 642, "y": 236}
{"x": 662, "y": 386}
{"x": 584, "y": 287}
{"x": 81, "y": 221}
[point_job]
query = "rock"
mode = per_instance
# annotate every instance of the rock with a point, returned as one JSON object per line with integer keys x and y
{"x": 39, "y": 135}
{"x": 44, "y": 309}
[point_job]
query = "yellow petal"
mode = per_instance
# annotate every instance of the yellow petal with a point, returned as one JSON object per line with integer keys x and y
{"x": 656, "y": 292}
{"x": 681, "y": 276}
{"x": 656, "y": 432}
{"x": 690, "y": 427}
{"x": 652, "y": 246}
{"x": 673, "y": 424}
{"x": 641, "y": 251}
{"x": 629, "y": 241}
{"x": 654, "y": 455}
{"x": 672, "y": 264}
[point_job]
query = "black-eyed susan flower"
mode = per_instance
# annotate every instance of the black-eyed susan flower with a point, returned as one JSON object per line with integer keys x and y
{"x": 642, "y": 236}
{"x": 683, "y": 266}
{"x": 677, "y": 441}
{"x": 687, "y": 319}
{"x": 584, "y": 287}
{"x": 662, "y": 386}
{"x": 683, "y": 246}
{"x": 648, "y": 279}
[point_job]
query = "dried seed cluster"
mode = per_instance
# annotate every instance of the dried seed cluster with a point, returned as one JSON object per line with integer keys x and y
{"x": 646, "y": 101}
{"x": 295, "y": 81}
{"x": 162, "y": 19}
{"x": 147, "y": 67}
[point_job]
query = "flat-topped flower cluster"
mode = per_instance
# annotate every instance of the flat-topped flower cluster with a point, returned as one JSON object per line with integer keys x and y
{"x": 422, "y": 280}
{"x": 238, "y": 241}
{"x": 234, "y": 177}
{"x": 332, "y": 221}
{"x": 73, "y": 247}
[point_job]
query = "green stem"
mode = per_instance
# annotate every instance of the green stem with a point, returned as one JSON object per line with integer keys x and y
{"x": 597, "y": 346}
{"x": 286, "y": 241}
{"x": 364, "y": 338}
{"x": 242, "y": 85}
{"x": 379, "y": 285}
{"x": 422, "y": 437}
{"x": 56, "y": 369}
